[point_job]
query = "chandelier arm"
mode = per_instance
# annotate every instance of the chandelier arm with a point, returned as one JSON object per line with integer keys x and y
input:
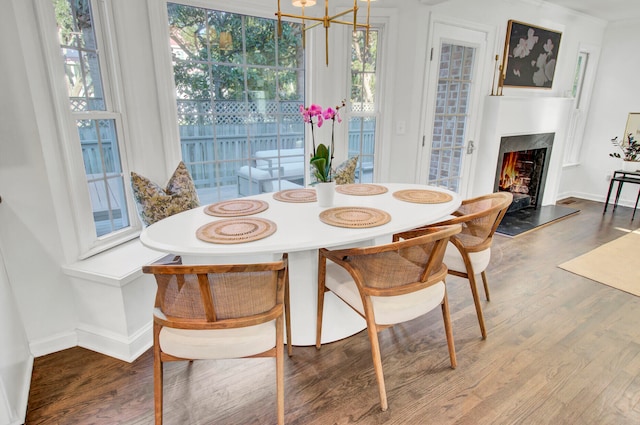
{"x": 337, "y": 15}
{"x": 358, "y": 25}
{"x": 355, "y": 14}
{"x": 308, "y": 27}
{"x": 326, "y": 45}
{"x": 303, "y": 17}
{"x": 279, "y": 14}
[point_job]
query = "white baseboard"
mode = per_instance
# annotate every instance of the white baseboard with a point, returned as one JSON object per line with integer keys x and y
{"x": 113, "y": 345}
{"x": 622, "y": 202}
{"x": 98, "y": 340}
{"x": 52, "y": 344}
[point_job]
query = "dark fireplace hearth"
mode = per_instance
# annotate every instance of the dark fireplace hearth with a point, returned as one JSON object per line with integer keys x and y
{"x": 522, "y": 168}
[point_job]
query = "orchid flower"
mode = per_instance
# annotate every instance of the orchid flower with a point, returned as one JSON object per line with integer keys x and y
{"x": 322, "y": 157}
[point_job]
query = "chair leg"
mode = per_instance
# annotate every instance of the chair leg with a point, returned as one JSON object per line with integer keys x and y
{"x": 474, "y": 290}
{"x": 635, "y": 207}
{"x": 280, "y": 371}
{"x": 486, "y": 285}
{"x": 322, "y": 275}
{"x": 157, "y": 374}
{"x": 377, "y": 363}
{"x": 287, "y": 315}
{"x": 448, "y": 330}
{"x": 476, "y": 301}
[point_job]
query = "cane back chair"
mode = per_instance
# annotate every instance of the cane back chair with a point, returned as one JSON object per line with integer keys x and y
{"x": 389, "y": 284}
{"x": 220, "y": 312}
{"x": 469, "y": 252}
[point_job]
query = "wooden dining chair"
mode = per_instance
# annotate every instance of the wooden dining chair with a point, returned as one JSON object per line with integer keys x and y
{"x": 220, "y": 312}
{"x": 469, "y": 252}
{"x": 389, "y": 284}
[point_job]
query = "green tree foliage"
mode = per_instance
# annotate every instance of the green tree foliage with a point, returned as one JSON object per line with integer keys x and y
{"x": 217, "y": 54}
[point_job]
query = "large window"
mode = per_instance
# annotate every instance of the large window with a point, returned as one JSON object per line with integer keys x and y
{"x": 238, "y": 91}
{"x": 364, "y": 102}
{"x": 91, "y": 124}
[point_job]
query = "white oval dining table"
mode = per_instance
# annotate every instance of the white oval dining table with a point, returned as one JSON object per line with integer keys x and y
{"x": 300, "y": 232}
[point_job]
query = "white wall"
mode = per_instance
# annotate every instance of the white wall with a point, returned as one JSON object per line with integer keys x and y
{"x": 616, "y": 93}
{"x": 31, "y": 239}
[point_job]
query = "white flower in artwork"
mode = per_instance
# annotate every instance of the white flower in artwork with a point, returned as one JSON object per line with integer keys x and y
{"x": 540, "y": 77}
{"x": 525, "y": 45}
{"x": 550, "y": 68}
{"x": 548, "y": 46}
{"x": 521, "y": 51}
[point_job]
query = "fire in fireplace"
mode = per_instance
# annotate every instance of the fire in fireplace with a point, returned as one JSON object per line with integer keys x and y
{"x": 522, "y": 168}
{"x": 521, "y": 172}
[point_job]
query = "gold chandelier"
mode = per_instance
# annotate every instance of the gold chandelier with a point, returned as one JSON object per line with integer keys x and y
{"x": 325, "y": 21}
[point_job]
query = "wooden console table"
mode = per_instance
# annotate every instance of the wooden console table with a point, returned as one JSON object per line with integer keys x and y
{"x": 622, "y": 177}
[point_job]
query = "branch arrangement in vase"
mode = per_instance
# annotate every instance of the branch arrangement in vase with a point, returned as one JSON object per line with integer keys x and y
{"x": 630, "y": 148}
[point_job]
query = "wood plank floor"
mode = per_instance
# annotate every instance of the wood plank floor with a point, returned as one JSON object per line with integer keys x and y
{"x": 561, "y": 349}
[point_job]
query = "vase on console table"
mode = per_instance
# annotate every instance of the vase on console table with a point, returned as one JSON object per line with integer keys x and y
{"x": 630, "y": 165}
{"x": 325, "y": 192}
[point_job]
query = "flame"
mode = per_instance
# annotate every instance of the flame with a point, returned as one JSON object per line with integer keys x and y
{"x": 508, "y": 175}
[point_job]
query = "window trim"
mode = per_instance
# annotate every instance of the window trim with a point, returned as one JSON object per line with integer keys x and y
{"x": 77, "y": 191}
{"x": 573, "y": 153}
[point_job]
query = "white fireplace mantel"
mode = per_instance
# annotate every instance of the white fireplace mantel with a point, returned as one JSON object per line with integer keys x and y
{"x": 511, "y": 116}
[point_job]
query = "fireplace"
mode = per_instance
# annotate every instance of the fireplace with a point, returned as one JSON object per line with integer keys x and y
{"x": 522, "y": 167}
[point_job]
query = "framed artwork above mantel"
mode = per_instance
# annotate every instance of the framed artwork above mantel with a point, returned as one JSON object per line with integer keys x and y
{"x": 530, "y": 56}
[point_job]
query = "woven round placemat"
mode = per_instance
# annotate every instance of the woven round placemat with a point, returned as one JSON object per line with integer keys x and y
{"x": 236, "y": 208}
{"x": 360, "y": 189}
{"x": 236, "y": 230}
{"x": 354, "y": 217}
{"x": 422, "y": 196}
{"x": 296, "y": 195}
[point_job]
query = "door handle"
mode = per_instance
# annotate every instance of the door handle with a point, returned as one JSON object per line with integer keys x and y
{"x": 470, "y": 147}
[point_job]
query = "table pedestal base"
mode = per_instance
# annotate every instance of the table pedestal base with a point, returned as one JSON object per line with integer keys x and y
{"x": 339, "y": 320}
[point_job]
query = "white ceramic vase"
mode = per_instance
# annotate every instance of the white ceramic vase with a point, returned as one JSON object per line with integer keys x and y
{"x": 630, "y": 165}
{"x": 324, "y": 193}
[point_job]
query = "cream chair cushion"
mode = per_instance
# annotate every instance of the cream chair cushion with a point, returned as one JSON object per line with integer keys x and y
{"x": 218, "y": 343}
{"x": 387, "y": 310}
{"x": 479, "y": 260}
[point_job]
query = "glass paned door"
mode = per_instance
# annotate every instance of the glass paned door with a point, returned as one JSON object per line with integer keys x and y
{"x": 449, "y": 124}
{"x": 452, "y": 101}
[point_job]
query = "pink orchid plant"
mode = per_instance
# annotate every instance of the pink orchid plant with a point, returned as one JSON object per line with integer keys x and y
{"x": 322, "y": 156}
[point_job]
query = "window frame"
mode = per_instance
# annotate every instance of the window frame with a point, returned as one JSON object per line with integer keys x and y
{"x": 77, "y": 189}
{"x": 158, "y": 18}
{"x": 217, "y": 192}
{"x": 573, "y": 152}
{"x": 384, "y": 20}
{"x": 362, "y": 115}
